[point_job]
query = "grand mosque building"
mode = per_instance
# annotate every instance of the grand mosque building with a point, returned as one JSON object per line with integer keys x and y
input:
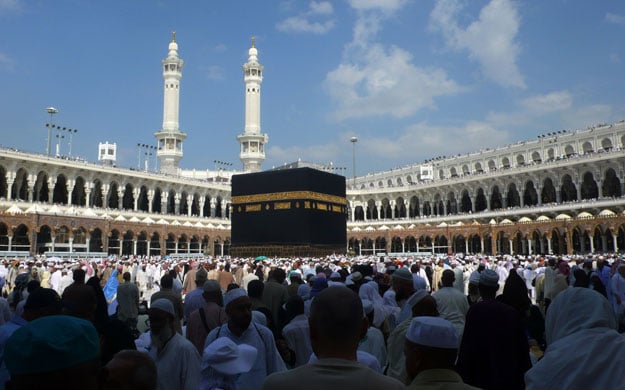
{"x": 561, "y": 193}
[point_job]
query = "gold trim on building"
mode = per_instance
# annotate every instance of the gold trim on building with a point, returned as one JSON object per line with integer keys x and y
{"x": 289, "y": 195}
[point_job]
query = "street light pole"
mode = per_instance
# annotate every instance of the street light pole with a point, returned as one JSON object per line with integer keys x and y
{"x": 353, "y": 140}
{"x": 51, "y": 111}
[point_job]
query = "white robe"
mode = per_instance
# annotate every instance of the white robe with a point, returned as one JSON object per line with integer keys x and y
{"x": 584, "y": 350}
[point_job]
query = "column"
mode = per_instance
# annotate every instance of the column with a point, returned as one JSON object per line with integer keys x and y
{"x": 403, "y": 246}
{"x": 51, "y": 185}
{"x": 487, "y": 195}
{"x": 482, "y": 244}
{"x": 105, "y": 193}
{"x": 213, "y": 204}
{"x": 510, "y": 243}
{"x": 614, "y": 243}
{"x": 135, "y": 196}
{"x": 10, "y": 248}
{"x": 120, "y": 201}
{"x": 353, "y": 209}
{"x": 221, "y": 246}
{"x": 393, "y": 203}
{"x": 202, "y": 202}
{"x": 529, "y": 246}
{"x": 176, "y": 247}
{"x": 189, "y": 205}
{"x": 549, "y": 251}
{"x": 150, "y": 198}
{"x": 134, "y": 247}
{"x": 164, "y": 196}
{"x": 31, "y": 192}
{"x": 177, "y": 206}
{"x": 69, "y": 185}
{"x": 52, "y": 246}
{"x": 378, "y": 207}
{"x": 466, "y": 246}
{"x": 539, "y": 191}
{"x": 147, "y": 253}
{"x": 71, "y": 245}
{"x": 88, "y": 202}
{"x": 420, "y": 209}
{"x": 10, "y": 188}
{"x": 604, "y": 242}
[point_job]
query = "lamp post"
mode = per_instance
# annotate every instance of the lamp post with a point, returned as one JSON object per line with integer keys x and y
{"x": 71, "y": 133}
{"x": 353, "y": 140}
{"x": 51, "y": 111}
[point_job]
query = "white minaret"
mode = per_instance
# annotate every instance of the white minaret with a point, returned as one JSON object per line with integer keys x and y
{"x": 252, "y": 141}
{"x": 170, "y": 137}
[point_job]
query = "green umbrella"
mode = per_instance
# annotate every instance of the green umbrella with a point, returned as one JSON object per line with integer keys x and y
{"x": 261, "y": 258}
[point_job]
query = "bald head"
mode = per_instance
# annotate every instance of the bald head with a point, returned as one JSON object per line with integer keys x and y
{"x": 336, "y": 322}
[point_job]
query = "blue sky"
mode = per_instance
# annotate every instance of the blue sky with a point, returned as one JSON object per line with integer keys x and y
{"x": 412, "y": 79}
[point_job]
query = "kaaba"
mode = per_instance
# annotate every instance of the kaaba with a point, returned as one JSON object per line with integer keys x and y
{"x": 288, "y": 212}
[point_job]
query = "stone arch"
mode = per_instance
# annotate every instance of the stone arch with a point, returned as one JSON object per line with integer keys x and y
{"x": 79, "y": 196}
{"x": 548, "y": 192}
{"x": 513, "y": 199}
{"x": 97, "y": 198}
{"x": 425, "y": 243}
{"x": 496, "y": 200}
{"x": 611, "y": 185}
{"x": 480, "y": 200}
{"x": 114, "y": 242}
{"x": 475, "y": 243}
{"x": 478, "y": 167}
{"x": 587, "y": 147}
{"x": 157, "y": 199}
{"x": 128, "y": 201}
{"x": 536, "y": 157}
{"x": 219, "y": 207}
{"x": 21, "y": 238}
{"x": 399, "y": 182}
{"x": 427, "y": 208}
{"x": 520, "y": 160}
{"x": 440, "y": 244}
{"x": 372, "y": 211}
{"x": 568, "y": 192}
{"x": 396, "y": 245}
{"x": 505, "y": 163}
{"x": 385, "y": 210}
{"x": 143, "y": 204}
{"x": 589, "y": 188}
{"x": 466, "y": 170}
{"x": 366, "y": 245}
{"x": 452, "y": 203}
{"x": 59, "y": 195}
{"x": 551, "y": 154}
{"x": 155, "y": 244}
{"x": 195, "y": 205}
{"x": 389, "y": 182}
{"x": 3, "y": 182}
{"x": 453, "y": 172}
{"x": 207, "y": 206}
{"x": 400, "y": 208}
{"x": 569, "y": 150}
{"x": 184, "y": 205}
{"x": 4, "y": 237}
{"x": 466, "y": 205}
{"x": 44, "y": 239}
{"x": 42, "y": 192}
{"x": 142, "y": 243}
{"x": 606, "y": 144}
{"x": 19, "y": 190}
{"x": 171, "y": 202}
{"x": 359, "y": 213}
{"x": 127, "y": 243}
{"x": 414, "y": 207}
{"x": 438, "y": 204}
{"x": 380, "y": 244}
{"x": 95, "y": 241}
{"x": 113, "y": 197}
{"x": 410, "y": 244}
{"x": 458, "y": 244}
{"x": 492, "y": 165}
{"x": 530, "y": 196}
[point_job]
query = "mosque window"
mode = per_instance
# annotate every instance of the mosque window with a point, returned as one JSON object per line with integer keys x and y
{"x": 253, "y": 72}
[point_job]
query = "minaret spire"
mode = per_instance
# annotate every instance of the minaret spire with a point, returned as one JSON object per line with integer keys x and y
{"x": 252, "y": 142}
{"x": 170, "y": 137}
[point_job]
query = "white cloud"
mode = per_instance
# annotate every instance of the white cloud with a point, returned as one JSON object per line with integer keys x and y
{"x": 378, "y": 80}
{"x": 381, "y": 5}
{"x": 589, "y": 115}
{"x": 306, "y": 21}
{"x": 214, "y": 73}
{"x": 6, "y": 63}
{"x": 551, "y": 102}
{"x": 385, "y": 83}
{"x": 321, "y": 8}
{"x": 491, "y": 40}
{"x": 9, "y": 5}
{"x": 425, "y": 140}
{"x": 614, "y": 18}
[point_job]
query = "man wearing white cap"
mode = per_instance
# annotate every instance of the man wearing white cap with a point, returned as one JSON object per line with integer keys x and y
{"x": 223, "y": 360}
{"x": 177, "y": 360}
{"x": 242, "y": 330}
{"x": 430, "y": 349}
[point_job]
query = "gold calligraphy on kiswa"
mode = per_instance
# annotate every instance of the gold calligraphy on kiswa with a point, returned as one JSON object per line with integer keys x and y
{"x": 287, "y": 196}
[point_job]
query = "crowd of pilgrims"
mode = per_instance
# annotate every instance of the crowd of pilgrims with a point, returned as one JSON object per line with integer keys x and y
{"x": 434, "y": 322}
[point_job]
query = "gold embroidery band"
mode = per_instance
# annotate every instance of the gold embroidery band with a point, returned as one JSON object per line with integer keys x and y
{"x": 285, "y": 196}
